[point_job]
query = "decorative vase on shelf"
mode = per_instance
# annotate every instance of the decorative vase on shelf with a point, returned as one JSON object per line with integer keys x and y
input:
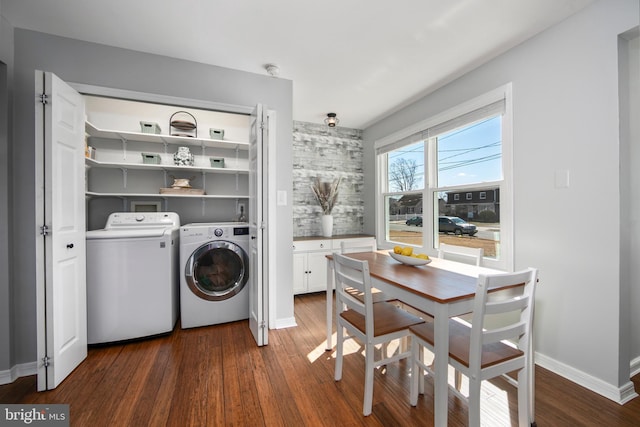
{"x": 183, "y": 157}
{"x": 327, "y": 225}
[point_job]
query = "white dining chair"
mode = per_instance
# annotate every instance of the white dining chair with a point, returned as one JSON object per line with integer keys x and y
{"x": 466, "y": 255}
{"x": 356, "y": 245}
{"x": 481, "y": 354}
{"x": 461, "y": 253}
{"x": 370, "y": 324}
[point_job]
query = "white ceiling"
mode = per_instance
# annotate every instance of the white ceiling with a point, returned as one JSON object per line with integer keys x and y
{"x": 362, "y": 59}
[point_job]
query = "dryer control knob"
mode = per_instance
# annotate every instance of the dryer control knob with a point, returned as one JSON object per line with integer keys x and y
{"x": 218, "y": 232}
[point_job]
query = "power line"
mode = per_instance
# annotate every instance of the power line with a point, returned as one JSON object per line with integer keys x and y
{"x": 471, "y": 162}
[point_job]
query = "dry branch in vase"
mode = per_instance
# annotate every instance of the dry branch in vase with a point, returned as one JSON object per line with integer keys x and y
{"x": 326, "y": 194}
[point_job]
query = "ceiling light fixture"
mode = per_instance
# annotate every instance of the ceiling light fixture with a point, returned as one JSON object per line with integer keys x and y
{"x": 331, "y": 120}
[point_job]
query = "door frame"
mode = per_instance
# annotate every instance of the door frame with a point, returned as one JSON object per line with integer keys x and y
{"x": 269, "y": 259}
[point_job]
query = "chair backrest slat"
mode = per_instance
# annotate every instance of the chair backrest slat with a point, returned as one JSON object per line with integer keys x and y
{"x": 505, "y": 333}
{"x": 461, "y": 253}
{"x": 506, "y": 306}
{"x": 356, "y": 245}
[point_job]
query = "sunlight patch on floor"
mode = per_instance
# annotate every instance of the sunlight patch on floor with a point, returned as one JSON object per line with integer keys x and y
{"x": 350, "y": 346}
{"x": 320, "y": 350}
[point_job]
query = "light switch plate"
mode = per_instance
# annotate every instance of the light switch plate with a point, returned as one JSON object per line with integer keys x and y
{"x": 281, "y": 198}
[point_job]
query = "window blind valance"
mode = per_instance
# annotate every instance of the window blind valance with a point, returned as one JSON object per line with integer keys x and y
{"x": 489, "y": 110}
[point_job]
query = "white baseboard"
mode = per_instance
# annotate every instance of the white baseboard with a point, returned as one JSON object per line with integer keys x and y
{"x": 635, "y": 366}
{"x": 285, "y": 323}
{"x": 17, "y": 371}
{"x": 619, "y": 395}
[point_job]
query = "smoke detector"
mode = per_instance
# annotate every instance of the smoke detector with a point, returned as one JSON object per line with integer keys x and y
{"x": 272, "y": 69}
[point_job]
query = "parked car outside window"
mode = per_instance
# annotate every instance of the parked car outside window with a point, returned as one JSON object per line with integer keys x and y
{"x": 453, "y": 224}
{"x": 416, "y": 220}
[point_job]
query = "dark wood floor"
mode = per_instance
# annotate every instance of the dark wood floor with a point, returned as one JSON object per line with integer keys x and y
{"x": 216, "y": 376}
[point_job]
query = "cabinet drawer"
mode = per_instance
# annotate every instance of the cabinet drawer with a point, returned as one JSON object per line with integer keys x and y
{"x": 312, "y": 245}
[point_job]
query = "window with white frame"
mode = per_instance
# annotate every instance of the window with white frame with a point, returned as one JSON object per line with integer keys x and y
{"x": 453, "y": 171}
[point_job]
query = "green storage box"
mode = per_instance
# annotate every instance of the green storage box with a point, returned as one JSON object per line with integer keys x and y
{"x": 216, "y": 133}
{"x": 217, "y": 162}
{"x": 151, "y": 159}
{"x": 149, "y": 127}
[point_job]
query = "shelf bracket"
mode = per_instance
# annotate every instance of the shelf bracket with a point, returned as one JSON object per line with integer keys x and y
{"x": 237, "y": 156}
{"x": 204, "y": 181}
{"x": 237, "y": 181}
{"x": 124, "y": 147}
{"x": 124, "y": 204}
{"x": 125, "y": 171}
{"x": 203, "y": 206}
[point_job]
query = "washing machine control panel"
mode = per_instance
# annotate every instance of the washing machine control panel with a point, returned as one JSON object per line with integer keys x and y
{"x": 139, "y": 220}
{"x": 214, "y": 231}
{"x": 228, "y": 232}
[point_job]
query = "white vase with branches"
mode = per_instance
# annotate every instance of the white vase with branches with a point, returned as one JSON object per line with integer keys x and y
{"x": 326, "y": 193}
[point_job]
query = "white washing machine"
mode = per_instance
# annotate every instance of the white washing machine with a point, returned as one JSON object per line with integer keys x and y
{"x": 133, "y": 277}
{"x": 214, "y": 259}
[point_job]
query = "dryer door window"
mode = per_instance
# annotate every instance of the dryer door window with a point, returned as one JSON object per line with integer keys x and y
{"x": 217, "y": 270}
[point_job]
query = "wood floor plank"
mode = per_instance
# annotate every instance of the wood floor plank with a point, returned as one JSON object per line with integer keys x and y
{"x": 217, "y": 376}
{"x": 135, "y": 397}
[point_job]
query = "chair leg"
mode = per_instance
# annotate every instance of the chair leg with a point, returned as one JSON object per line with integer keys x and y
{"x": 474, "y": 401}
{"x": 403, "y": 345}
{"x": 368, "y": 379}
{"x": 422, "y": 371}
{"x": 339, "y": 351}
{"x": 523, "y": 398}
{"x": 458, "y": 380}
{"x": 416, "y": 371}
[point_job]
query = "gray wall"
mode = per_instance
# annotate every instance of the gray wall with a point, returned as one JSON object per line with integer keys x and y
{"x": 327, "y": 153}
{"x": 98, "y": 65}
{"x": 6, "y": 84}
{"x": 630, "y": 188}
{"x": 565, "y": 109}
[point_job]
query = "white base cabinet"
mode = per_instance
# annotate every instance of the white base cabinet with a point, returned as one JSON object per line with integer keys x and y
{"x": 310, "y": 262}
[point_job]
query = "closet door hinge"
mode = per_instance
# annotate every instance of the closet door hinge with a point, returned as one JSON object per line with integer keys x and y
{"x": 44, "y": 98}
{"x": 261, "y": 125}
{"x": 46, "y": 361}
{"x": 44, "y": 230}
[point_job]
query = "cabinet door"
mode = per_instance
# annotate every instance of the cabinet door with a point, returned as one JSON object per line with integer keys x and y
{"x": 317, "y": 267}
{"x": 299, "y": 273}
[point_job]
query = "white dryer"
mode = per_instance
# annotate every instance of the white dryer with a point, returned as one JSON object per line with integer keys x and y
{"x": 132, "y": 276}
{"x": 214, "y": 259}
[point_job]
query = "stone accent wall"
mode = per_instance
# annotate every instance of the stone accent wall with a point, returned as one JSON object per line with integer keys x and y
{"x": 327, "y": 153}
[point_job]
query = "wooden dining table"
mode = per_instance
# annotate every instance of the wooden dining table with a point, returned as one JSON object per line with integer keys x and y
{"x": 442, "y": 288}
